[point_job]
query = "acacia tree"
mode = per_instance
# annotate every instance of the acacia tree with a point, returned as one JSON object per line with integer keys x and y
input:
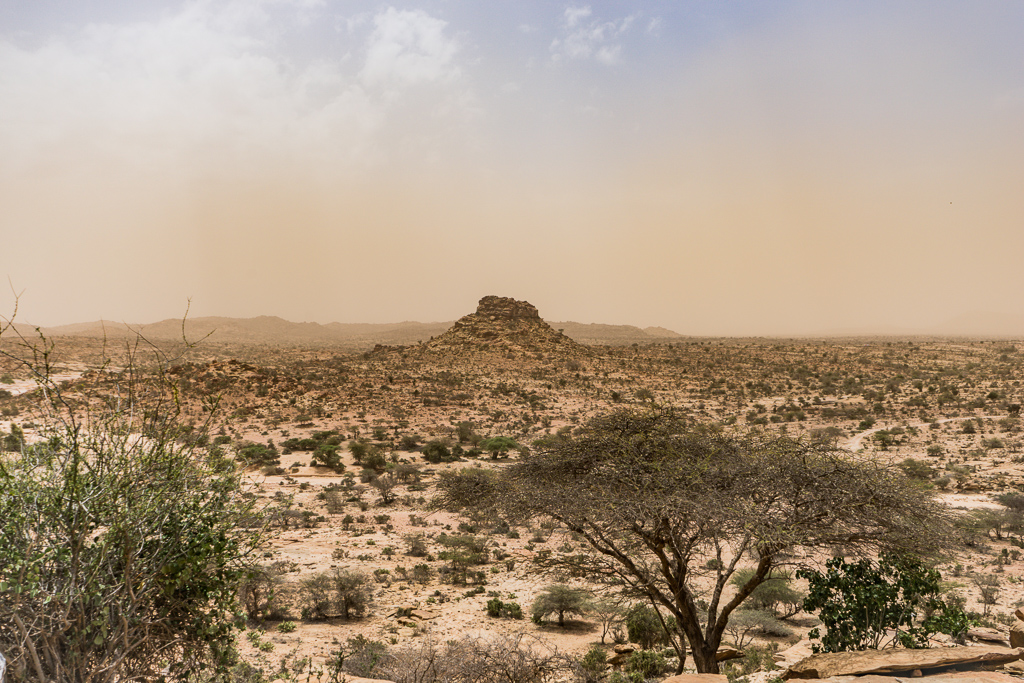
{"x": 561, "y": 600}
{"x": 498, "y": 446}
{"x": 667, "y": 506}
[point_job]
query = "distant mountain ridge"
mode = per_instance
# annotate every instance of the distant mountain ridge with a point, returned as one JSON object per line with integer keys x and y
{"x": 273, "y": 330}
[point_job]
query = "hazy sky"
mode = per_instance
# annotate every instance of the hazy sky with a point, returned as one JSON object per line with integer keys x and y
{"x": 713, "y": 167}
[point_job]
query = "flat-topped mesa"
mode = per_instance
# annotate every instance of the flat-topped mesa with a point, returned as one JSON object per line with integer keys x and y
{"x": 506, "y": 325}
{"x": 506, "y": 307}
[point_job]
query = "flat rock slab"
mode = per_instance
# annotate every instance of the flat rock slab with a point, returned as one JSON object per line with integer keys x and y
{"x": 989, "y": 635}
{"x": 829, "y": 664}
{"x": 724, "y": 654}
{"x": 697, "y": 678}
{"x": 952, "y": 677}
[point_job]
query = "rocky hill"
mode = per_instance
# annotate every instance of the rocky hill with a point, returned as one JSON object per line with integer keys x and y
{"x": 506, "y": 325}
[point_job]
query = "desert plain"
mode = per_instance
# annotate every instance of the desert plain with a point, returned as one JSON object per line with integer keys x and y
{"x": 315, "y": 423}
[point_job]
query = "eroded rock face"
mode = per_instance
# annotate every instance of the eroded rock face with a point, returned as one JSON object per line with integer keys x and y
{"x": 497, "y": 307}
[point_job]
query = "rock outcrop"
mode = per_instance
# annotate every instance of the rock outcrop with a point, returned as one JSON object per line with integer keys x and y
{"x": 952, "y": 677}
{"x": 827, "y": 665}
{"x": 505, "y": 325}
{"x": 1017, "y": 634}
{"x": 696, "y": 678}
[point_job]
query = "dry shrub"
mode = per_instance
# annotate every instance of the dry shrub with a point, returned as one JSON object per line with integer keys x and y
{"x": 516, "y": 658}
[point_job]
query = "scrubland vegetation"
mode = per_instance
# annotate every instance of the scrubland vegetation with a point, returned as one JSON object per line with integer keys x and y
{"x": 388, "y": 514}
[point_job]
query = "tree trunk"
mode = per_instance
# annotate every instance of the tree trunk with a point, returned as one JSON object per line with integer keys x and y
{"x": 705, "y": 659}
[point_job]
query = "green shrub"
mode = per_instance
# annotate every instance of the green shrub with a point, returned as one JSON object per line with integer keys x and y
{"x": 257, "y": 455}
{"x": 647, "y": 663}
{"x": 436, "y": 451}
{"x": 593, "y": 665}
{"x": 860, "y": 603}
{"x": 644, "y": 627}
{"x": 506, "y": 610}
{"x": 120, "y": 554}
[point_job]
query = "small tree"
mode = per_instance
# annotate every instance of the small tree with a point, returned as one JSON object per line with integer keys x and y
{"x": 464, "y": 431}
{"x": 561, "y": 600}
{"x": 609, "y": 615}
{"x": 352, "y": 592}
{"x": 775, "y": 594}
{"x": 327, "y": 455}
{"x": 359, "y": 450}
{"x": 988, "y": 590}
{"x": 498, "y": 446}
{"x": 745, "y": 623}
{"x": 315, "y": 593}
{"x": 386, "y": 485}
{"x": 259, "y": 592}
{"x": 463, "y": 552}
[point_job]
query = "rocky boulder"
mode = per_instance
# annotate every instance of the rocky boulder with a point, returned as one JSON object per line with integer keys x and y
{"x": 696, "y": 678}
{"x": 951, "y": 677}
{"x": 1017, "y": 634}
{"x": 827, "y": 665}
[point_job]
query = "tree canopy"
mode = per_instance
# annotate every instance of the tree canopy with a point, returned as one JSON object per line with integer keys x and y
{"x": 669, "y": 507}
{"x": 561, "y": 600}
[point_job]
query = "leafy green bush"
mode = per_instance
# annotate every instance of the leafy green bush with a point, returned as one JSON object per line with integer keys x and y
{"x": 436, "y": 451}
{"x": 644, "y": 627}
{"x": 257, "y": 455}
{"x": 860, "y": 602}
{"x": 505, "y": 610}
{"x": 647, "y": 663}
{"x": 593, "y": 664}
{"x": 121, "y": 549}
{"x": 338, "y": 593}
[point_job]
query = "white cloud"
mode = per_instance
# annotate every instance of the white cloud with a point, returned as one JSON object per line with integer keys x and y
{"x": 584, "y": 38}
{"x": 213, "y": 81}
{"x": 409, "y": 47}
{"x": 573, "y": 15}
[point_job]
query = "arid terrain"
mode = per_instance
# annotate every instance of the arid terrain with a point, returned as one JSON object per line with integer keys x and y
{"x": 316, "y": 424}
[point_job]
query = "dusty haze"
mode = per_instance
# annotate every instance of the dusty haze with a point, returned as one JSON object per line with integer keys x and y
{"x": 713, "y": 168}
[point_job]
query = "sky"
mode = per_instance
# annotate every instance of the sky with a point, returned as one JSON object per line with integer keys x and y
{"x": 713, "y": 167}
